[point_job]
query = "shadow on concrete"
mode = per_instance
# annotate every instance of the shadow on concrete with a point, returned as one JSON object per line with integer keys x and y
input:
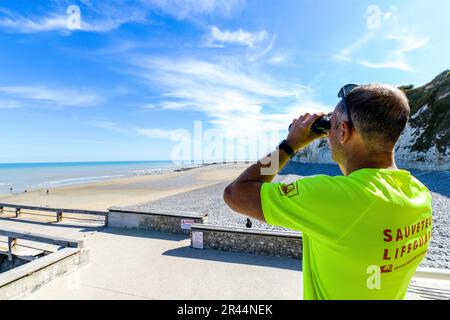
{"x": 145, "y": 234}
{"x": 237, "y": 258}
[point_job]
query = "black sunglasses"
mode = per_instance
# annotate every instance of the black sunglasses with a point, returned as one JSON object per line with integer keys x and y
{"x": 345, "y": 90}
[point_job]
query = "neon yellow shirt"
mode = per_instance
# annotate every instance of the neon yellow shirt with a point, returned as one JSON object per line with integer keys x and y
{"x": 364, "y": 235}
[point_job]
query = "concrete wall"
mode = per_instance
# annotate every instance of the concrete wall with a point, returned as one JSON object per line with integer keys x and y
{"x": 154, "y": 221}
{"x": 33, "y": 275}
{"x": 255, "y": 241}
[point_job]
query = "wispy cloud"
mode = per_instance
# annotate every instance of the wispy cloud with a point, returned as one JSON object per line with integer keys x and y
{"x": 395, "y": 40}
{"x": 280, "y": 57}
{"x": 57, "y": 97}
{"x": 396, "y": 56}
{"x": 15, "y": 23}
{"x": 394, "y": 64}
{"x": 190, "y": 9}
{"x": 257, "y": 44}
{"x": 99, "y": 16}
{"x": 95, "y": 17}
{"x": 217, "y": 37}
{"x": 236, "y": 102}
{"x": 346, "y": 54}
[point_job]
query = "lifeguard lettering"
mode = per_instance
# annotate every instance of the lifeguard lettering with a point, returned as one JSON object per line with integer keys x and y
{"x": 407, "y": 231}
{"x": 399, "y": 252}
{"x": 403, "y": 234}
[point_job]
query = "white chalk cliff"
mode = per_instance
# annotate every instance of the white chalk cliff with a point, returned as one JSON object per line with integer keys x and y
{"x": 425, "y": 142}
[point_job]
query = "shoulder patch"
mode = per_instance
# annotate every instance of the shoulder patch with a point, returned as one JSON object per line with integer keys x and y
{"x": 288, "y": 190}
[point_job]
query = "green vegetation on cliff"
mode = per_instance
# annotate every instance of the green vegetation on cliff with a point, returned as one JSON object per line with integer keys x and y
{"x": 434, "y": 119}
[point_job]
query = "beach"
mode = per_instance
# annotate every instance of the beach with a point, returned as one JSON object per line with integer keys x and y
{"x": 201, "y": 189}
{"x": 126, "y": 191}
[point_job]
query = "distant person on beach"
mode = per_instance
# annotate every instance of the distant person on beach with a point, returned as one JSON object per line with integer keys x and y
{"x": 364, "y": 233}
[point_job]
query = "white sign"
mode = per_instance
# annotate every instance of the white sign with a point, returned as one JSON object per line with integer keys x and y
{"x": 197, "y": 240}
{"x": 186, "y": 224}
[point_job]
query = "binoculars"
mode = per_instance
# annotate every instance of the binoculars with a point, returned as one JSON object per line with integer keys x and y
{"x": 322, "y": 125}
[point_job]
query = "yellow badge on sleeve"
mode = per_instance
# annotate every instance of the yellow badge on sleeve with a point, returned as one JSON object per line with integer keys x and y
{"x": 288, "y": 190}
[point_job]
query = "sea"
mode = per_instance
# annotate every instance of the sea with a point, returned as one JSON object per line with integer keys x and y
{"x": 23, "y": 177}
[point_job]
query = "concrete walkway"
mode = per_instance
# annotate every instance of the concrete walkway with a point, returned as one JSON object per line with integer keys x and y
{"x": 126, "y": 264}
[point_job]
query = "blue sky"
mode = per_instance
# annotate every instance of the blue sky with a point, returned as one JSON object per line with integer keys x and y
{"x": 116, "y": 85}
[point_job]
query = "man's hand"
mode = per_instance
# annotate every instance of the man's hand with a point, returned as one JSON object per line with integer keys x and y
{"x": 300, "y": 135}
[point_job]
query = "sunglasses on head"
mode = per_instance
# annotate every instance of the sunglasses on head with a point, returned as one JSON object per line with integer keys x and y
{"x": 345, "y": 90}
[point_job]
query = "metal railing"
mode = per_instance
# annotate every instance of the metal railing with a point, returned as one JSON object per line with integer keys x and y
{"x": 58, "y": 211}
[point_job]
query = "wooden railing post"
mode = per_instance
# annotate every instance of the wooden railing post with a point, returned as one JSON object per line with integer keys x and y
{"x": 11, "y": 245}
{"x": 107, "y": 219}
{"x": 59, "y": 216}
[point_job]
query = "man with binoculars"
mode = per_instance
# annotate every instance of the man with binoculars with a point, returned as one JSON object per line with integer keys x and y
{"x": 362, "y": 233}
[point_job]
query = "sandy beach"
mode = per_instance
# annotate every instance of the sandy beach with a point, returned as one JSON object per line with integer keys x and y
{"x": 127, "y": 191}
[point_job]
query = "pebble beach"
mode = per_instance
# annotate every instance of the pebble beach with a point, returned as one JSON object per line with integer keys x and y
{"x": 209, "y": 199}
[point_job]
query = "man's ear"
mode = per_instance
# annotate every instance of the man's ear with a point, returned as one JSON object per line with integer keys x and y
{"x": 345, "y": 132}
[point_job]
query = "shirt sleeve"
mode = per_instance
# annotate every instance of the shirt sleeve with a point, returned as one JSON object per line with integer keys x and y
{"x": 320, "y": 206}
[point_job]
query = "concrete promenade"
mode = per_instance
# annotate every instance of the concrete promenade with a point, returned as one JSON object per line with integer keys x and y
{"x": 126, "y": 264}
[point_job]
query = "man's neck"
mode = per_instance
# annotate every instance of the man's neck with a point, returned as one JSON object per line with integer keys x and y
{"x": 380, "y": 160}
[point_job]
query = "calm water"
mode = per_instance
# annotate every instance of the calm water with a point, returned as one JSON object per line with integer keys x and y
{"x": 23, "y": 176}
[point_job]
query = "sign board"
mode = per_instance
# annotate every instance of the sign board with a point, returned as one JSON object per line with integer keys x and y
{"x": 186, "y": 224}
{"x": 197, "y": 240}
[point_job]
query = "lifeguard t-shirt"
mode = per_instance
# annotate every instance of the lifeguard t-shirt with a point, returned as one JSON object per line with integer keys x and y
{"x": 364, "y": 235}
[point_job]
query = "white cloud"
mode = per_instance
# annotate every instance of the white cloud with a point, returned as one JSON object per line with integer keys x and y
{"x": 394, "y": 64}
{"x": 280, "y": 57}
{"x": 182, "y": 77}
{"x": 258, "y": 44}
{"x": 346, "y": 53}
{"x": 398, "y": 44}
{"x": 99, "y": 16}
{"x": 52, "y": 96}
{"x": 218, "y": 37}
{"x": 384, "y": 48}
{"x": 263, "y": 51}
{"x": 235, "y": 101}
{"x": 21, "y": 24}
{"x": 397, "y": 59}
{"x": 95, "y": 17}
{"x": 190, "y": 9}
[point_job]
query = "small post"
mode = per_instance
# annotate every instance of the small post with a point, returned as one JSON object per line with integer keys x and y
{"x": 11, "y": 245}
{"x": 17, "y": 212}
{"x": 107, "y": 219}
{"x": 1, "y": 210}
{"x": 59, "y": 216}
